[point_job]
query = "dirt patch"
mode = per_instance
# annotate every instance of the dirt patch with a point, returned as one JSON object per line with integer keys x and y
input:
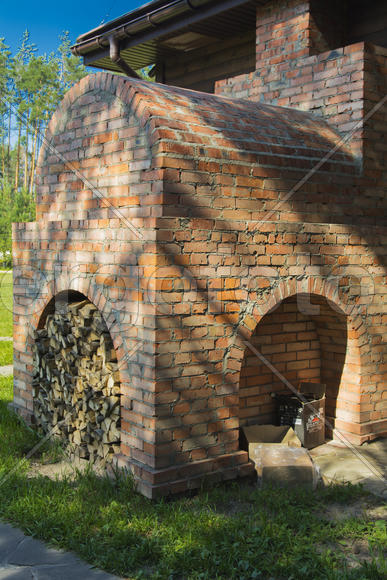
{"x": 370, "y": 509}
{"x": 67, "y": 468}
{"x": 355, "y": 552}
{"x": 233, "y": 508}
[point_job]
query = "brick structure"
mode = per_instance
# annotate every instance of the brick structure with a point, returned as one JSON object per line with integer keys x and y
{"x": 204, "y": 227}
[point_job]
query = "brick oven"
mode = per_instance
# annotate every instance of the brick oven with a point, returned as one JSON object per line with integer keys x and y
{"x": 199, "y": 229}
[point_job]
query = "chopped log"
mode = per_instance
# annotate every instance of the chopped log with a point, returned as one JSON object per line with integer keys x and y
{"x": 76, "y": 381}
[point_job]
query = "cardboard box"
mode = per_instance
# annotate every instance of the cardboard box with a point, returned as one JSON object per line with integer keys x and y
{"x": 306, "y": 415}
{"x": 283, "y": 435}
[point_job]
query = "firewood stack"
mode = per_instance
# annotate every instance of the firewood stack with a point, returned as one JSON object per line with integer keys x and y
{"x": 76, "y": 382}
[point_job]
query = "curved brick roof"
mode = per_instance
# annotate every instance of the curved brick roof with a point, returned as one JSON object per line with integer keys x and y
{"x": 200, "y": 125}
{"x": 210, "y": 152}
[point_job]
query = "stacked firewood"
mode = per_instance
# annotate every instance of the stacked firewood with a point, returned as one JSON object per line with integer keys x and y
{"x": 76, "y": 382}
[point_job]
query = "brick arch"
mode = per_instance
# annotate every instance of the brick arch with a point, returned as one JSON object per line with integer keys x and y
{"x": 202, "y": 144}
{"x": 283, "y": 290}
{"x": 75, "y": 367}
{"x": 339, "y": 335}
{"x": 84, "y": 287}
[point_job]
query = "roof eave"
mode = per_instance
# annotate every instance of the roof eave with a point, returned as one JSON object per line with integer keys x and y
{"x": 142, "y": 26}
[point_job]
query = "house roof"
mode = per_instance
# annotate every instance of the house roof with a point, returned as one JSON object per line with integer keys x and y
{"x": 164, "y": 27}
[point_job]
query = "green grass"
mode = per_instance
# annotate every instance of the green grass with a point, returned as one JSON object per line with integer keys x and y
{"x": 235, "y": 531}
{"x": 6, "y": 353}
{"x": 6, "y": 302}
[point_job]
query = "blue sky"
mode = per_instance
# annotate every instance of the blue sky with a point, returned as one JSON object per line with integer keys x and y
{"x": 47, "y": 19}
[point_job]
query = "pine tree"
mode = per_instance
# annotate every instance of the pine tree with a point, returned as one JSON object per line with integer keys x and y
{"x": 71, "y": 69}
{"x": 18, "y": 68}
{"x": 4, "y": 109}
{"x": 31, "y": 87}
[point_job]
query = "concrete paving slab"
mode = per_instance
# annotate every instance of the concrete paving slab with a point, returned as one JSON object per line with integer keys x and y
{"x": 6, "y": 371}
{"x": 16, "y": 573}
{"x": 283, "y": 465}
{"x": 10, "y": 538}
{"x": 25, "y": 558}
{"x": 341, "y": 468}
{"x": 365, "y": 464}
{"x": 31, "y": 552}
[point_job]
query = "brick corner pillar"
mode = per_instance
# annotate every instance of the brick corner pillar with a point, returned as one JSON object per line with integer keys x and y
{"x": 102, "y": 186}
{"x": 283, "y": 32}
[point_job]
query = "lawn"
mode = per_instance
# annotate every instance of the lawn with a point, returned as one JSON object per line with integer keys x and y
{"x": 6, "y": 353}
{"x": 234, "y": 531}
{"x": 6, "y": 304}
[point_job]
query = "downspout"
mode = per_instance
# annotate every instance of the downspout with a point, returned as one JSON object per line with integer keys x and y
{"x": 116, "y": 58}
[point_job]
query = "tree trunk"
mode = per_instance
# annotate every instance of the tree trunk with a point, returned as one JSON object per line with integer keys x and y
{"x": 3, "y": 150}
{"x": 32, "y": 171}
{"x": 26, "y": 154}
{"x": 17, "y": 169}
{"x": 9, "y": 141}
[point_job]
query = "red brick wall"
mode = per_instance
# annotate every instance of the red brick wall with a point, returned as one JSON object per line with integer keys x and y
{"x": 99, "y": 145}
{"x": 224, "y": 237}
{"x": 290, "y": 29}
{"x": 96, "y": 179}
{"x": 329, "y": 84}
{"x": 329, "y": 24}
{"x": 284, "y": 32}
{"x": 375, "y": 90}
{"x": 295, "y": 67}
{"x": 234, "y": 282}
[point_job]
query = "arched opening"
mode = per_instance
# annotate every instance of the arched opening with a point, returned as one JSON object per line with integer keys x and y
{"x": 76, "y": 388}
{"x": 306, "y": 339}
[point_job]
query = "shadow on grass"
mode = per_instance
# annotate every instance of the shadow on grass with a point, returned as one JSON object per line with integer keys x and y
{"x": 230, "y": 531}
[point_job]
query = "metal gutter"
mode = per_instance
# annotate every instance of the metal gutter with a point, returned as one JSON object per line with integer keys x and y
{"x": 151, "y": 19}
{"x": 124, "y": 19}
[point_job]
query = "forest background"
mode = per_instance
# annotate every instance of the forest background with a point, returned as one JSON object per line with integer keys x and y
{"x": 31, "y": 86}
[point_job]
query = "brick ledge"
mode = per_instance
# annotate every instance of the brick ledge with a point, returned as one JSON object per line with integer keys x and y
{"x": 155, "y": 483}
